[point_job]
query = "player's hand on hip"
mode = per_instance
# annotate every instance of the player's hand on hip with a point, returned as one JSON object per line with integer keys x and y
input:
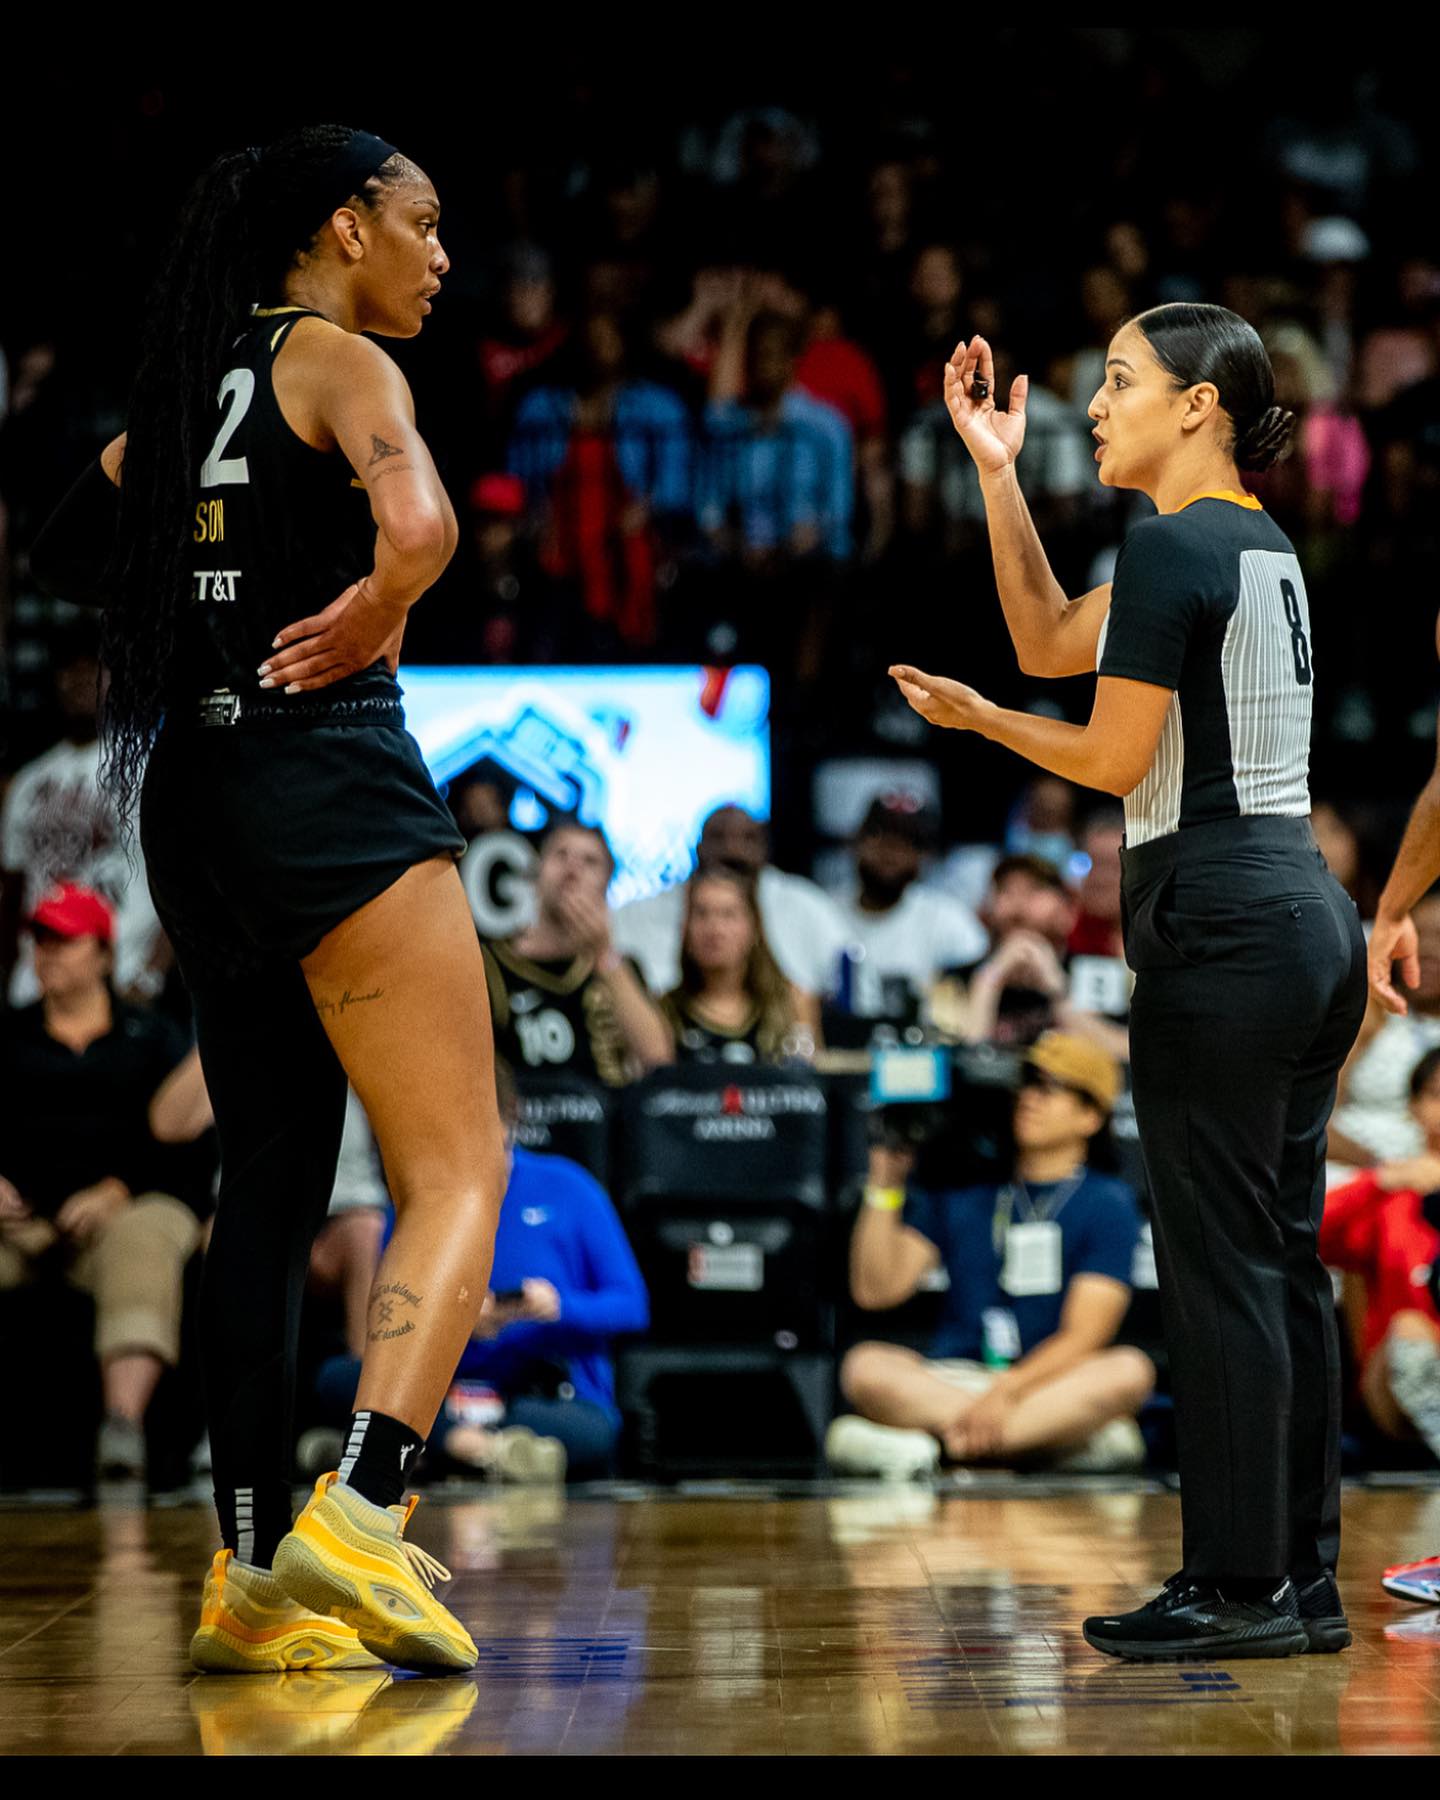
{"x": 1393, "y": 941}
{"x": 354, "y": 631}
{"x": 992, "y": 437}
{"x": 940, "y": 700}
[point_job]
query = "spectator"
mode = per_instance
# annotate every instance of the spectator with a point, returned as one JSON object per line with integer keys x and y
{"x": 1105, "y": 303}
{"x": 528, "y": 335}
{"x": 57, "y": 824}
{"x": 1024, "y": 1366}
{"x": 803, "y": 926}
{"x": 1319, "y": 489}
{"x": 1019, "y": 990}
{"x": 932, "y": 325}
{"x": 1338, "y": 836}
{"x": 607, "y": 463}
{"x": 561, "y": 995}
{"x": 534, "y": 1395}
{"x": 835, "y": 369}
{"x": 1041, "y": 823}
{"x": 1373, "y": 1121}
{"x": 779, "y": 473}
{"x": 1097, "y": 929}
{"x": 86, "y": 1077}
{"x": 902, "y": 935}
{"x": 1375, "y": 1227}
{"x": 513, "y": 605}
{"x": 732, "y": 1004}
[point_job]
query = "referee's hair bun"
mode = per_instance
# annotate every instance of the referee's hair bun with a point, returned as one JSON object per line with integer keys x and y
{"x": 1265, "y": 440}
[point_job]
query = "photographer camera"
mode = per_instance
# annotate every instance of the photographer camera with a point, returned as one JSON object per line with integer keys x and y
{"x": 1024, "y": 1368}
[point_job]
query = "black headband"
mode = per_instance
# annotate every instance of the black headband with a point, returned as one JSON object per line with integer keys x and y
{"x": 330, "y": 184}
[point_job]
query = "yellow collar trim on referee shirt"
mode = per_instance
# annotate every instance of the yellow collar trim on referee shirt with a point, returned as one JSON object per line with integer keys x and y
{"x": 1248, "y": 501}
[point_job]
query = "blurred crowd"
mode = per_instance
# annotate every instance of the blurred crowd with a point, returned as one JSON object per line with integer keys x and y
{"x": 684, "y": 384}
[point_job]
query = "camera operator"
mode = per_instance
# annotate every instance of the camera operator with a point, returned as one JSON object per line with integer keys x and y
{"x": 1024, "y": 1367}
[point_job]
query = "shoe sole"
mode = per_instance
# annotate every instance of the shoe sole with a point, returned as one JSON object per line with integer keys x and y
{"x": 1432, "y": 1598}
{"x": 1326, "y": 1636}
{"x": 1293, "y": 1643}
{"x": 311, "y": 1581}
{"x": 214, "y": 1652}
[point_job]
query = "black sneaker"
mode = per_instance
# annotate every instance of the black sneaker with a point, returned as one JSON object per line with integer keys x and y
{"x": 1323, "y": 1614}
{"x": 1192, "y": 1620}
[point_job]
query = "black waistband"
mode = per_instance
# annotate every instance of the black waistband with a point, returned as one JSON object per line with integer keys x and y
{"x": 1211, "y": 842}
{"x": 224, "y": 708}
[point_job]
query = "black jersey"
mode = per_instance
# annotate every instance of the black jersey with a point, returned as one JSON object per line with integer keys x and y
{"x": 1210, "y": 601}
{"x": 699, "y": 1039}
{"x": 555, "y": 1015}
{"x": 277, "y": 529}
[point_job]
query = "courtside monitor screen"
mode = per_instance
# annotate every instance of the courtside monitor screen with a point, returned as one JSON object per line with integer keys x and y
{"x": 645, "y": 753}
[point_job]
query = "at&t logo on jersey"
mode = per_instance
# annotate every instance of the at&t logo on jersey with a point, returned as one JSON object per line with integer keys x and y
{"x": 216, "y": 584}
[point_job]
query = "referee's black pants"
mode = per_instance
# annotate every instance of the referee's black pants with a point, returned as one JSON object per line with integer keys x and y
{"x": 1250, "y": 986}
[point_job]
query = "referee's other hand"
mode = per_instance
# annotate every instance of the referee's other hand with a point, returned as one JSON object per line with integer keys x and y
{"x": 1393, "y": 941}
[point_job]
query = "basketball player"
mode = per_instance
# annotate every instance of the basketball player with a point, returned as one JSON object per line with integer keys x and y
{"x": 278, "y": 515}
{"x": 1249, "y": 960}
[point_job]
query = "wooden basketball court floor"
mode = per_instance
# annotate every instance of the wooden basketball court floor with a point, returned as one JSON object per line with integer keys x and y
{"x": 722, "y": 1619}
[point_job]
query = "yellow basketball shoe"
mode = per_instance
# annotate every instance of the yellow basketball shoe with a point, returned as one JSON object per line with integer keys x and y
{"x": 348, "y": 1557}
{"x": 249, "y": 1625}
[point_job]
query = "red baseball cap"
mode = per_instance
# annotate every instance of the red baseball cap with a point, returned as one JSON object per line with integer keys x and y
{"x": 501, "y": 495}
{"x": 75, "y": 912}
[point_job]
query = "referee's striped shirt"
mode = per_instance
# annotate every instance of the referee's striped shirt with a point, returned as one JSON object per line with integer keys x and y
{"x": 1209, "y": 602}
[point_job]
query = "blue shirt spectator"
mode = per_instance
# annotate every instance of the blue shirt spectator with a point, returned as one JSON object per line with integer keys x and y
{"x": 650, "y": 433}
{"x": 1099, "y": 1229}
{"x": 777, "y": 479}
{"x": 557, "y": 1224}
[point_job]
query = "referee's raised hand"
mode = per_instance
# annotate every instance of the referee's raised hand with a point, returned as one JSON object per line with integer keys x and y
{"x": 992, "y": 437}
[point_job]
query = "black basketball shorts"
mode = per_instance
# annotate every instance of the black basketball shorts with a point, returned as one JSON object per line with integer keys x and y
{"x": 260, "y": 838}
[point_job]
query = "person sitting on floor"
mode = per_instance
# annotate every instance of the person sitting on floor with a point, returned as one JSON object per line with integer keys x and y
{"x": 1024, "y": 1368}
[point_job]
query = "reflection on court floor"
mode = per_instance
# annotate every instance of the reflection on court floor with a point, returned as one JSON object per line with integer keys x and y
{"x": 727, "y": 1619}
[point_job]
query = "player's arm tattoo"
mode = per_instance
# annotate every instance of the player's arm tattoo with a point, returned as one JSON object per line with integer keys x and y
{"x": 382, "y": 449}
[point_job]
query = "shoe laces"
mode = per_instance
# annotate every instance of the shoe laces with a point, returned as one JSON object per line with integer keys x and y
{"x": 426, "y": 1567}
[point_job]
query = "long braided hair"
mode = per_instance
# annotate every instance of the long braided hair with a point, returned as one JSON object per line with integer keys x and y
{"x": 242, "y": 227}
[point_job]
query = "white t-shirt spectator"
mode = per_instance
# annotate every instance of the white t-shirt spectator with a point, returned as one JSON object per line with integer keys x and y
{"x": 804, "y": 927}
{"x": 1376, "y": 1112}
{"x": 58, "y": 824}
{"x": 924, "y": 933}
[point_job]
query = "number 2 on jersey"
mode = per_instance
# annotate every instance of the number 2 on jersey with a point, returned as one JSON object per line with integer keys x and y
{"x": 1299, "y": 643}
{"x": 237, "y": 390}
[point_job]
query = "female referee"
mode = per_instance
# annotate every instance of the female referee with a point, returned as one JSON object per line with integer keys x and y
{"x": 1248, "y": 957}
{"x": 278, "y": 515}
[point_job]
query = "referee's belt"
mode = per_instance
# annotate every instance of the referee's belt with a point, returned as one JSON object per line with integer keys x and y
{"x": 225, "y": 707}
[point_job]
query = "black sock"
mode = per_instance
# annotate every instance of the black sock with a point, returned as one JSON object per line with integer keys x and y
{"x": 379, "y": 1451}
{"x": 254, "y": 1519}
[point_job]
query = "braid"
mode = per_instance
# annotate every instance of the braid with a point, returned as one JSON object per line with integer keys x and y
{"x": 241, "y": 229}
